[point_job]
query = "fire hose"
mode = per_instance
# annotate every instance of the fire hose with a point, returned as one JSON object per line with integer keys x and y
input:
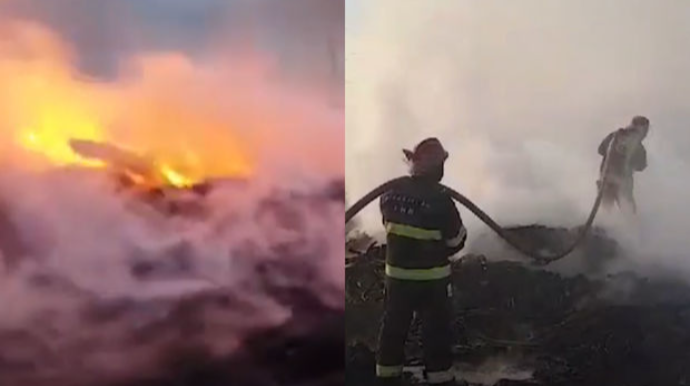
{"x": 537, "y": 257}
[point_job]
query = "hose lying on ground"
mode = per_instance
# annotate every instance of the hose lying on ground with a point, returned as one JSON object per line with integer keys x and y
{"x": 537, "y": 257}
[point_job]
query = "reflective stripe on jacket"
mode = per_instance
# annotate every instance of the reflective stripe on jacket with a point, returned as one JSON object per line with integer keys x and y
{"x": 423, "y": 229}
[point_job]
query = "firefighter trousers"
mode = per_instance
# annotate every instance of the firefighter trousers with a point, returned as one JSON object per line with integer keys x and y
{"x": 431, "y": 301}
{"x": 619, "y": 190}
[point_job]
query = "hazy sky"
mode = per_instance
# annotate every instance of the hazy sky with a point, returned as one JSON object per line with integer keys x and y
{"x": 522, "y": 93}
{"x": 106, "y": 31}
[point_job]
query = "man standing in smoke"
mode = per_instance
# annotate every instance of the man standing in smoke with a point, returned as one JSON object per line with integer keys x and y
{"x": 626, "y": 155}
{"x": 423, "y": 229}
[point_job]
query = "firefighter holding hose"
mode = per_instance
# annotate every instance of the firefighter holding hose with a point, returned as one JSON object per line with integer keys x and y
{"x": 626, "y": 156}
{"x": 423, "y": 229}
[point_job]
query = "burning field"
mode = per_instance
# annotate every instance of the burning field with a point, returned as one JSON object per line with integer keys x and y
{"x": 521, "y": 325}
{"x": 166, "y": 227}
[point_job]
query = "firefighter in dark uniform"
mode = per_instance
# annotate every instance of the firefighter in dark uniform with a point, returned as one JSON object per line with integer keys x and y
{"x": 627, "y": 155}
{"x": 423, "y": 230}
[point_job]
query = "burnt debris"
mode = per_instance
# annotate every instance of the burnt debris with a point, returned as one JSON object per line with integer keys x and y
{"x": 620, "y": 329}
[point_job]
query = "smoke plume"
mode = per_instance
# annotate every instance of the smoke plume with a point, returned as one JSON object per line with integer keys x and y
{"x": 522, "y": 94}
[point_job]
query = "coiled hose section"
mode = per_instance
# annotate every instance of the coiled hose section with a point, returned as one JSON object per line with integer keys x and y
{"x": 538, "y": 258}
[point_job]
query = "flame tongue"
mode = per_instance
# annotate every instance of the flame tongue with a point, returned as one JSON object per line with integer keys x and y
{"x": 112, "y": 155}
{"x": 143, "y": 170}
{"x": 175, "y": 178}
{"x": 52, "y": 118}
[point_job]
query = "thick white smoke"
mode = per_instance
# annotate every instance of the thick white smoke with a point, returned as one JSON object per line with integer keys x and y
{"x": 522, "y": 94}
{"x": 86, "y": 245}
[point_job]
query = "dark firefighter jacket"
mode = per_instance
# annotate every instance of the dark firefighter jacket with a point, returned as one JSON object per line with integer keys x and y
{"x": 423, "y": 228}
{"x": 628, "y": 155}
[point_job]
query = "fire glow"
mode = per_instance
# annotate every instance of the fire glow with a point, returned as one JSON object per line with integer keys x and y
{"x": 149, "y": 116}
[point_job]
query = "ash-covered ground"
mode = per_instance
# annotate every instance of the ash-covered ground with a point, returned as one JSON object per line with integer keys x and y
{"x": 518, "y": 324}
{"x": 233, "y": 284}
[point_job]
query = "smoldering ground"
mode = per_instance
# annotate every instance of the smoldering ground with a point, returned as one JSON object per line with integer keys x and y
{"x": 522, "y": 95}
{"x": 100, "y": 272}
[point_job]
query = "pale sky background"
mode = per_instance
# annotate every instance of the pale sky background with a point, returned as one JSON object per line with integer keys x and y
{"x": 522, "y": 93}
{"x": 105, "y": 32}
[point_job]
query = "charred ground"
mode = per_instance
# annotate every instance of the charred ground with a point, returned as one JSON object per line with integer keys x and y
{"x": 536, "y": 326}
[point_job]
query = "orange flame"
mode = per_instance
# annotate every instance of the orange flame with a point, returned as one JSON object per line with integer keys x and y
{"x": 43, "y": 106}
{"x": 175, "y": 178}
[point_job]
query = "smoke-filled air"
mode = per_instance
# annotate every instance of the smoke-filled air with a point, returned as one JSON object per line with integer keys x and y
{"x": 522, "y": 94}
{"x": 167, "y": 171}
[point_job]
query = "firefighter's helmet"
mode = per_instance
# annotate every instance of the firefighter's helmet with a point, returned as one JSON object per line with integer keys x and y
{"x": 426, "y": 156}
{"x": 641, "y": 125}
{"x": 640, "y": 121}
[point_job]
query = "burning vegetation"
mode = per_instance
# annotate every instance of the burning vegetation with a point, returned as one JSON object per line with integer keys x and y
{"x": 238, "y": 289}
{"x": 147, "y": 127}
